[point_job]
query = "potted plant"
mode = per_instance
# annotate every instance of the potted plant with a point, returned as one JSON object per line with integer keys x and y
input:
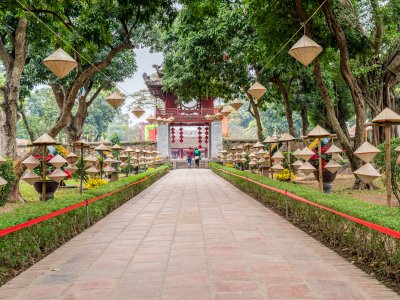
{"x": 51, "y": 185}
{"x": 327, "y": 177}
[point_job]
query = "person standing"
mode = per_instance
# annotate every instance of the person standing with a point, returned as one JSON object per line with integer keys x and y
{"x": 189, "y": 157}
{"x": 197, "y": 157}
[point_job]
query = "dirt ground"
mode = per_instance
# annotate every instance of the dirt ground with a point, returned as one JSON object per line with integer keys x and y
{"x": 343, "y": 186}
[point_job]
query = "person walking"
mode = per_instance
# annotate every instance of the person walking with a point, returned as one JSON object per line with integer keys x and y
{"x": 197, "y": 157}
{"x": 189, "y": 157}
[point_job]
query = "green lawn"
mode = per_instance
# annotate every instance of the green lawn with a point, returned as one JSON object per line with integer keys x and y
{"x": 29, "y": 193}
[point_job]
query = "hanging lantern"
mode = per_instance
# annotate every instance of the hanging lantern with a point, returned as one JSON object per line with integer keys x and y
{"x": 151, "y": 119}
{"x": 257, "y": 90}
{"x": 31, "y": 162}
{"x": 367, "y": 152}
{"x": 332, "y": 166}
{"x": 307, "y": 168}
{"x": 58, "y": 161}
{"x": 115, "y": 99}
{"x": 58, "y": 175}
{"x": 60, "y": 63}
{"x": 225, "y": 111}
{"x": 305, "y": 50}
{"x": 367, "y": 173}
{"x": 30, "y": 177}
{"x": 236, "y": 104}
{"x": 72, "y": 158}
{"x": 138, "y": 112}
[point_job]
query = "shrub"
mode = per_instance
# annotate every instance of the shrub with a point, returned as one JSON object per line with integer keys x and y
{"x": 95, "y": 182}
{"x": 370, "y": 249}
{"x": 21, "y": 249}
{"x": 284, "y": 175}
{"x": 7, "y": 172}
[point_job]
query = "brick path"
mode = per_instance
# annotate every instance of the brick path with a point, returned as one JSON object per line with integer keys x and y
{"x": 194, "y": 236}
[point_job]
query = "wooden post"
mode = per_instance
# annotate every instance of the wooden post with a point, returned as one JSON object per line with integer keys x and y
{"x": 388, "y": 166}
{"x": 270, "y": 161}
{"x": 321, "y": 184}
{"x": 44, "y": 165}
{"x": 83, "y": 167}
{"x": 288, "y": 162}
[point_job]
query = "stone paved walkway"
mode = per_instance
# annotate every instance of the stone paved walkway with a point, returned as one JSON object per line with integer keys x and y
{"x": 194, "y": 236}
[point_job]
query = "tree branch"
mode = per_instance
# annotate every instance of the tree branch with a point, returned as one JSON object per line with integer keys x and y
{"x": 94, "y": 96}
{"x": 46, "y": 11}
{"x": 4, "y": 55}
{"x": 377, "y": 16}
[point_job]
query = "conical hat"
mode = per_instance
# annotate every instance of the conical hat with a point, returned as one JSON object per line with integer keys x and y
{"x": 225, "y": 111}
{"x": 236, "y": 104}
{"x": 109, "y": 161}
{"x": 318, "y": 131}
{"x": 151, "y": 119}
{"x": 262, "y": 160}
{"x": 44, "y": 139}
{"x": 3, "y": 182}
{"x": 30, "y": 177}
{"x": 257, "y": 90}
{"x": 2, "y": 160}
{"x": 72, "y": 168}
{"x": 58, "y": 175}
{"x": 123, "y": 157}
{"x": 31, "y": 162}
{"x": 333, "y": 149}
{"x": 297, "y": 164}
{"x": 116, "y": 147}
{"x": 307, "y": 168}
{"x": 82, "y": 144}
{"x": 102, "y": 147}
{"x": 278, "y": 155}
{"x": 296, "y": 152}
{"x": 367, "y": 173}
{"x": 269, "y": 140}
{"x": 261, "y": 151}
{"x": 58, "y": 161}
{"x": 115, "y": 99}
{"x": 286, "y": 137}
{"x": 92, "y": 171}
{"x": 387, "y": 115}
{"x": 60, "y": 63}
{"x": 72, "y": 158}
{"x": 277, "y": 167}
{"x": 90, "y": 159}
{"x": 305, "y": 50}
{"x": 218, "y": 116}
{"x": 367, "y": 152}
{"x": 123, "y": 164}
{"x": 258, "y": 145}
{"x": 138, "y": 112}
{"x": 244, "y": 153}
{"x": 306, "y": 154}
{"x": 243, "y": 160}
{"x": 332, "y": 166}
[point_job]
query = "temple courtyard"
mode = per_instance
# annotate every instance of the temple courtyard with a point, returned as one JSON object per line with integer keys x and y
{"x": 192, "y": 235}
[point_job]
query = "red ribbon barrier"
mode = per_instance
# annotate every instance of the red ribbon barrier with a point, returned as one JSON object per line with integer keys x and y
{"x": 385, "y": 230}
{"x": 51, "y": 215}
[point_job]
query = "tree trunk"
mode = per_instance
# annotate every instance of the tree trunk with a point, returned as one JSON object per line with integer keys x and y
{"x": 286, "y": 100}
{"x": 256, "y": 114}
{"x": 304, "y": 120}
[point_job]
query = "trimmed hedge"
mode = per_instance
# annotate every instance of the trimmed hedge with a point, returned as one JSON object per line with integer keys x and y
{"x": 23, "y": 248}
{"x": 373, "y": 251}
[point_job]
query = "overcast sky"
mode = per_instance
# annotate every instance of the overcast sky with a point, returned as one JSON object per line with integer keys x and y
{"x": 144, "y": 60}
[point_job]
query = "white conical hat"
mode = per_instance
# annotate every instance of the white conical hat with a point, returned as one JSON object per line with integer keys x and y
{"x": 318, "y": 131}
{"x": 286, "y": 137}
{"x": 257, "y": 90}
{"x": 92, "y": 171}
{"x": 278, "y": 155}
{"x": 3, "y": 182}
{"x": 387, "y": 115}
{"x": 2, "y": 160}
{"x": 72, "y": 168}
{"x": 58, "y": 161}
{"x": 367, "y": 152}
{"x": 236, "y": 104}
{"x": 72, "y": 158}
{"x": 277, "y": 167}
{"x": 115, "y": 99}
{"x": 333, "y": 149}
{"x": 367, "y": 173}
{"x": 258, "y": 145}
{"x": 102, "y": 147}
{"x": 269, "y": 139}
{"x": 45, "y": 139}
{"x": 58, "y": 175}
{"x": 307, "y": 168}
{"x": 306, "y": 154}
{"x": 332, "y": 166}
{"x": 297, "y": 164}
{"x": 31, "y": 162}
{"x": 30, "y": 177}
{"x": 296, "y": 152}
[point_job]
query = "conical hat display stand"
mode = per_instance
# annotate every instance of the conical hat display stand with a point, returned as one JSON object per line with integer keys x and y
{"x": 44, "y": 141}
{"x": 387, "y": 118}
{"x": 319, "y": 132}
{"x": 286, "y": 137}
{"x": 270, "y": 141}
